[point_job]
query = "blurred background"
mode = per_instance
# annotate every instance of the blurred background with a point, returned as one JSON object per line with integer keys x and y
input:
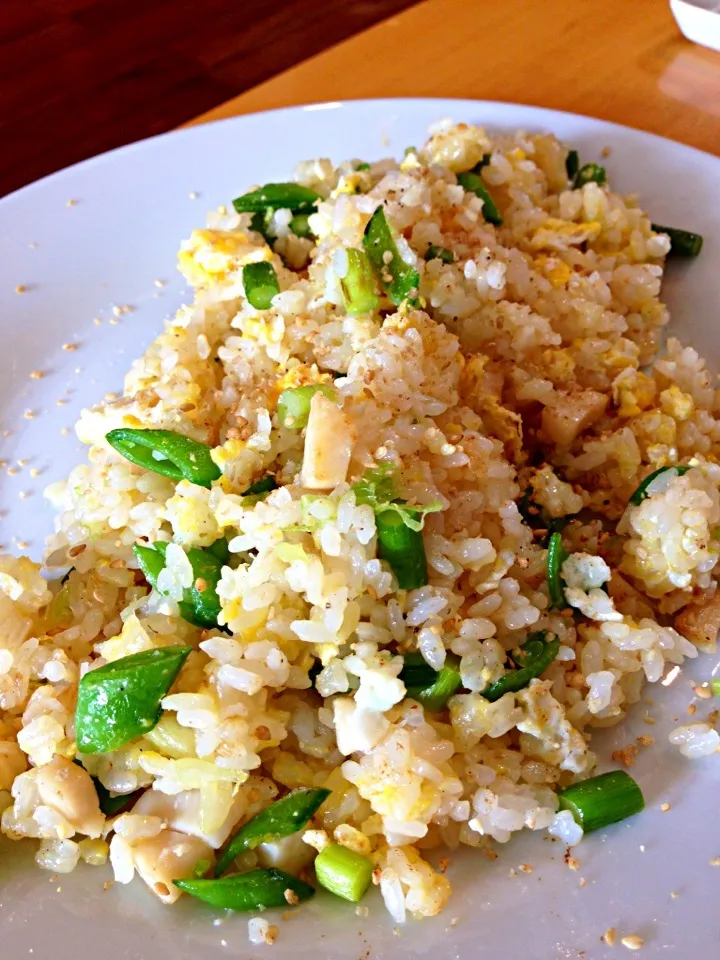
{"x": 78, "y": 77}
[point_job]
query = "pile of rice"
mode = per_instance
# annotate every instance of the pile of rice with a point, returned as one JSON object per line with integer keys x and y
{"x": 531, "y": 363}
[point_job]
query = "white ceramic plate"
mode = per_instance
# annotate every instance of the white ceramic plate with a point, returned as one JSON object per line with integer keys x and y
{"x": 102, "y": 234}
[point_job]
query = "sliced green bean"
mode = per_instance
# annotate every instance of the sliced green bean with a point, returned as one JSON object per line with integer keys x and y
{"x": 683, "y": 243}
{"x": 293, "y": 406}
{"x": 121, "y": 700}
{"x": 556, "y": 557}
{"x": 599, "y": 801}
{"x": 358, "y": 285}
{"x": 168, "y": 453}
{"x": 256, "y": 890}
{"x": 572, "y": 164}
{"x": 199, "y": 607}
{"x": 362, "y": 166}
{"x": 642, "y": 491}
{"x": 399, "y": 280}
{"x": 403, "y": 549}
{"x": 532, "y": 658}
{"x": 473, "y": 183}
{"x": 439, "y": 253}
{"x": 264, "y": 485}
{"x": 300, "y": 225}
{"x": 280, "y": 819}
{"x": 278, "y": 196}
{"x": 260, "y": 283}
{"x": 343, "y": 872}
{"x": 590, "y": 173}
{"x": 435, "y": 694}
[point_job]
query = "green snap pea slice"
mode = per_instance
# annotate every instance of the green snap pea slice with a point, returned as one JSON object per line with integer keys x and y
{"x": 278, "y": 196}
{"x": 473, "y": 183}
{"x": 256, "y": 890}
{"x": 533, "y": 658}
{"x": 590, "y": 173}
{"x": 121, "y": 700}
{"x": 683, "y": 243}
{"x": 168, "y": 453}
{"x": 261, "y": 284}
{"x": 280, "y": 819}
{"x": 642, "y": 491}
{"x": 556, "y": 557}
{"x": 399, "y": 280}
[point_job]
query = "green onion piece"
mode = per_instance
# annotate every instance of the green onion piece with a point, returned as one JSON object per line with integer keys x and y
{"x": 358, "y": 285}
{"x": 445, "y": 682}
{"x": 642, "y": 492}
{"x": 590, "y": 173}
{"x": 410, "y": 150}
{"x": 121, "y": 700}
{"x": 280, "y": 819}
{"x": 264, "y": 485}
{"x": 199, "y": 607}
{"x": 715, "y": 686}
{"x": 300, "y": 225}
{"x": 533, "y": 658}
{"x": 399, "y": 280}
{"x": 534, "y": 515}
{"x": 168, "y": 453}
{"x": 439, "y": 253}
{"x": 256, "y": 890}
{"x": 293, "y": 405}
{"x": 683, "y": 243}
{"x": 556, "y": 557}
{"x": 572, "y": 164}
{"x": 261, "y": 284}
{"x": 483, "y": 162}
{"x": 343, "y": 872}
{"x": 278, "y": 196}
{"x": 403, "y": 549}
{"x": 473, "y": 183}
{"x": 602, "y": 800}
{"x": 362, "y": 166}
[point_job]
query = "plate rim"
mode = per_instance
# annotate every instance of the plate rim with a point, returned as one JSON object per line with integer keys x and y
{"x": 463, "y": 103}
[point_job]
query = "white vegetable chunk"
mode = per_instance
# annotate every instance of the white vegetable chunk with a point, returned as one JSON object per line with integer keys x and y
{"x": 329, "y": 439}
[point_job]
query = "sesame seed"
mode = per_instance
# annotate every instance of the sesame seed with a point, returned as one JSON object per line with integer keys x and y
{"x": 525, "y": 868}
{"x": 33, "y": 245}
{"x": 715, "y": 862}
{"x": 609, "y": 936}
{"x": 111, "y": 396}
{"x": 674, "y": 894}
{"x": 192, "y": 195}
{"x": 29, "y": 414}
{"x": 583, "y": 882}
{"x": 22, "y": 544}
{"x": 113, "y": 321}
{"x": 21, "y": 288}
{"x": 160, "y": 283}
{"x": 3, "y": 464}
{"x": 36, "y": 374}
{"x": 664, "y": 807}
{"x": 703, "y": 692}
{"x": 64, "y": 431}
{"x": 69, "y": 347}
{"x": 71, "y": 203}
{"x": 633, "y": 942}
{"x": 24, "y": 494}
{"x": 23, "y": 463}
{"x": 62, "y": 401}
{"x": 12, "y": 471}
{"x": 691, "y": 709}
{"x": 97, "y": 321}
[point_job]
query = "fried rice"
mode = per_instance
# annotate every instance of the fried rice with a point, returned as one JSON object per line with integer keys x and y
{"x": 528, "y": 369}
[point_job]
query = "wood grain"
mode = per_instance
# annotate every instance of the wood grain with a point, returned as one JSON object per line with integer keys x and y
{"x": 619, "y": 60}
{"x": 78, "y": 77}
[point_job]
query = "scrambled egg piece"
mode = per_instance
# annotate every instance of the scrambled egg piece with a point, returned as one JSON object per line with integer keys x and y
{"x": 677, "y": 404}
{"x": 634, "y": 393}
{"x": 557, "y": 234}
{"x": 555, "y": 270}
{"x": 209, "y": 255}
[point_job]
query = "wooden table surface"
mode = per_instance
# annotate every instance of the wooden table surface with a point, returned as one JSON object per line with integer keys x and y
{"x": 620, "y": 60}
